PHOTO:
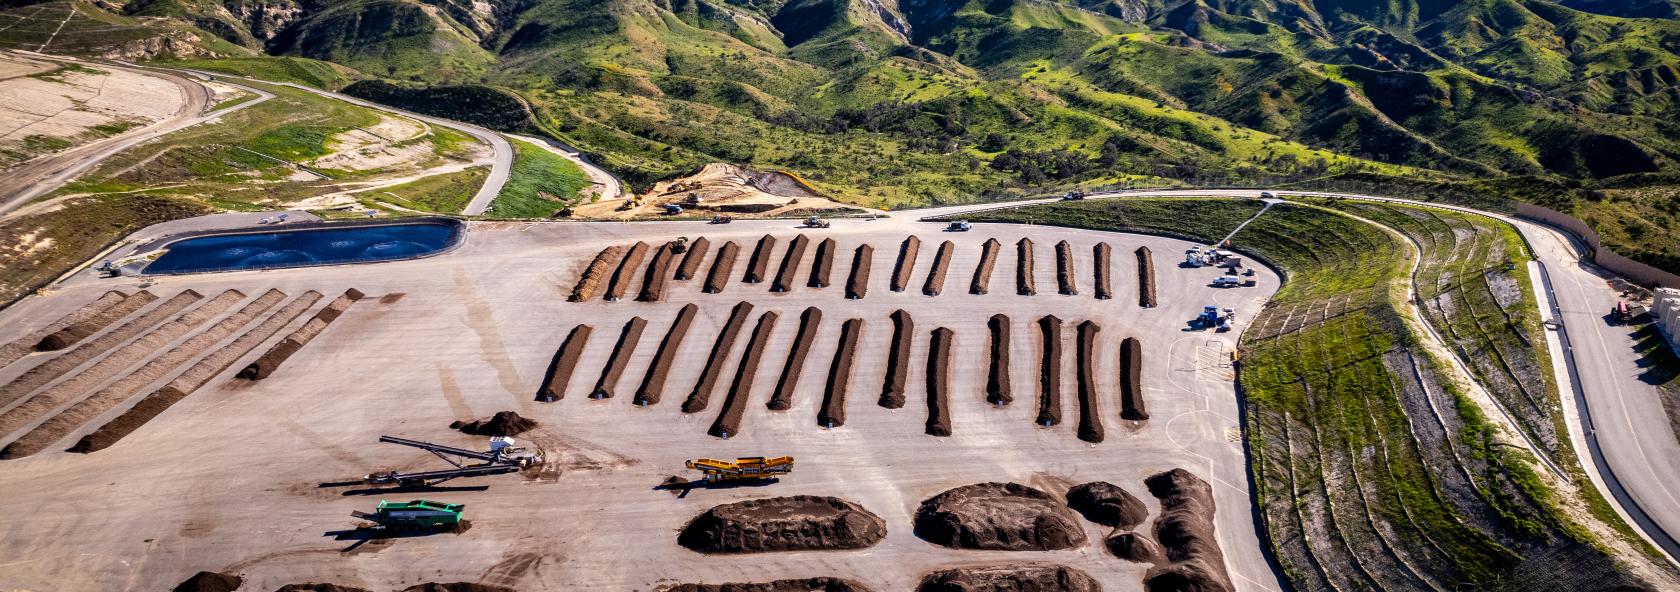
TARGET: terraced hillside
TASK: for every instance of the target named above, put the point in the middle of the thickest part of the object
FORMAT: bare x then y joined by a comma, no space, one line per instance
1375,469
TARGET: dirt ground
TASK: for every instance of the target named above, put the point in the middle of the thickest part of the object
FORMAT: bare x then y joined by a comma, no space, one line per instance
228,479
68,105
720,189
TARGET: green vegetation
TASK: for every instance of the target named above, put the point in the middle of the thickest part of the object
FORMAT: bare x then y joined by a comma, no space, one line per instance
448,193
37,248
540,184
304,71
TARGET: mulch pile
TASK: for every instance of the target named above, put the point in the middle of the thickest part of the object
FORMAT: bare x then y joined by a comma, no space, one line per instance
1066,283
1146,278
1013,577
998,389
653,383
1185,531
596,273
1100,256
833,412
998,517
728,422
620,358
503,423
691,260
759,263
1132,405
796,523
209,581
823,267
1090,407
857,284
790,264
455,587
983,272
805,585
653,282
939,383
313,587
1135,547
277,355
61,365
722,266
564,362
626,272
80,329
941,266
702,393
1024,283
906,261
809,322
21,346
1050,372
1107,504
898,361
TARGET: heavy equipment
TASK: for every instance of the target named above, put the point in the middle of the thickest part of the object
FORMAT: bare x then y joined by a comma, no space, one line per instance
417,514
721,219
958,226
673,209
503,457
1226,281
1073,196
1212,317
815,222
749,467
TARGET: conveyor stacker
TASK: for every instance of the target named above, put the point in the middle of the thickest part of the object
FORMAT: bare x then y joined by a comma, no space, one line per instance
502,458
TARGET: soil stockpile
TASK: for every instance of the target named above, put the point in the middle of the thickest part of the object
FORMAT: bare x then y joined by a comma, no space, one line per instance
809,322
796,523
898,360
596,273
20,347
503,423
939,383
790,264
823,267
857,284
1146,278
62,364
1013,577
658,271
455,587
1090,406
1185,531
998,389
701,395
564,362
75,332
653,383
1066,283
728,422
209,581
313,587
1135,548
983,272
998,517
626,272
1050,372
1107,504
194,378
1132,405
759,263
628,339
277,355
691,259
722,266
833,412
1024,283
941,266
805,585
1100,260
906,262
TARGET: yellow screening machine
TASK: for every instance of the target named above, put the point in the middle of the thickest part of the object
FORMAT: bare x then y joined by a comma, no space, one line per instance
751,467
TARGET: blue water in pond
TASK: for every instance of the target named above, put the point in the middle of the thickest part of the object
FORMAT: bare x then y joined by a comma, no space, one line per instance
299,248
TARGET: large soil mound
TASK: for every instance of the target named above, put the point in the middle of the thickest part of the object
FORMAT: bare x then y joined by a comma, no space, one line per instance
209,581
805,585
1185,531
319,588
1011,577
998,516
455,587
1107,504
797,523
503,423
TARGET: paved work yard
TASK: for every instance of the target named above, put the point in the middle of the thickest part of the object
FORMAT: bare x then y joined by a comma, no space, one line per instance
228,479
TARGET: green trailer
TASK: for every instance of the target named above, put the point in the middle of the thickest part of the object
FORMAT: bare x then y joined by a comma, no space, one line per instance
414,514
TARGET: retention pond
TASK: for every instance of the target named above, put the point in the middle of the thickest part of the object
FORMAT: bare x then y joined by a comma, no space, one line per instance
302,247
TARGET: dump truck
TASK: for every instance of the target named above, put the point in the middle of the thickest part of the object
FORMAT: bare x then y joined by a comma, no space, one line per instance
744,468
417,514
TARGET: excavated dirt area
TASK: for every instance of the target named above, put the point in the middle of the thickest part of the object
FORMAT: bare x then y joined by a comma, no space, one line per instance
802,585
1012,577
564,363
898,360
228,479
998,517
907,252
503,423
625,347
722,266
809,322
796,523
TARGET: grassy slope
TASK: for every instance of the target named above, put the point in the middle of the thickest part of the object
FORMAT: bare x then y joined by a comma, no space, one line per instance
540,184
40,247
